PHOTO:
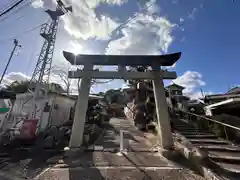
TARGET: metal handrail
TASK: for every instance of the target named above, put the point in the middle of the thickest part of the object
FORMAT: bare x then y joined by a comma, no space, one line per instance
212,120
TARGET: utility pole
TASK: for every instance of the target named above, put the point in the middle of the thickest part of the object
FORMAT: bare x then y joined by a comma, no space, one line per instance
10,58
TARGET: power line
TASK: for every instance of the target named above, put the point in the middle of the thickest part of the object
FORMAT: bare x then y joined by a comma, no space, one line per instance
22,34
132,18
12,7
6,6
24,5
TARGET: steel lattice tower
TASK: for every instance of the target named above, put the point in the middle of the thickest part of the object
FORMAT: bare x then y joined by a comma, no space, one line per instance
40,76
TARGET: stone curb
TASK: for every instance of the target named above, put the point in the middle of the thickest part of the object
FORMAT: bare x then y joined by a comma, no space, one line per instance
195,156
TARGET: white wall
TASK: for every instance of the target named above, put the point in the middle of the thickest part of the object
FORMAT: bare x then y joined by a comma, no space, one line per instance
62,113
23,106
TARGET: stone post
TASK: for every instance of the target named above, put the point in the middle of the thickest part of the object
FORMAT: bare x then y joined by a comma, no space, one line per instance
81,109
164,127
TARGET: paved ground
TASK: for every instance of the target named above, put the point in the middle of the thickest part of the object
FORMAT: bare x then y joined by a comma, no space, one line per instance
139,163
23,163
117,174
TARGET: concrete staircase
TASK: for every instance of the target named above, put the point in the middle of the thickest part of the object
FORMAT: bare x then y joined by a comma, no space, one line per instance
223,157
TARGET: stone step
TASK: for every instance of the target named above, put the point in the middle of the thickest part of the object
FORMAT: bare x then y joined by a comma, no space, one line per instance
151,159
216,147
233,168
4,155
185,133
182,125
194,133
201,136
189,130
207,141
225,156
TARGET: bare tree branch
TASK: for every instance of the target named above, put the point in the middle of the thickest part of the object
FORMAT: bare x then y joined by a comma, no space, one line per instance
63,75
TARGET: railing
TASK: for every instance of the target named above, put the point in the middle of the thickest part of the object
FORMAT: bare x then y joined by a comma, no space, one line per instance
204,123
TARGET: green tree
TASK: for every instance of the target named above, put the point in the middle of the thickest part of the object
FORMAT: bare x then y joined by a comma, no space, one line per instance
22,87
18,87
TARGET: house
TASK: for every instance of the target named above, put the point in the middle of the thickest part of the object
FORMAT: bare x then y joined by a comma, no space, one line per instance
175,89
175,93
235,90
228,103
196,106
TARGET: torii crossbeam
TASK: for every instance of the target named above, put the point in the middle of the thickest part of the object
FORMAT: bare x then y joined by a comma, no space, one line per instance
156,75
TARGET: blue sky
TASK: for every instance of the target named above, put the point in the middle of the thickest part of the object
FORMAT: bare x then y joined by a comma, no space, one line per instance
206,32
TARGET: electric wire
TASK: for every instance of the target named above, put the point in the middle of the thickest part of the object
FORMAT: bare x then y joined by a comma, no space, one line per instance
21,34
10,8
132,18
21,6
6,6
32,55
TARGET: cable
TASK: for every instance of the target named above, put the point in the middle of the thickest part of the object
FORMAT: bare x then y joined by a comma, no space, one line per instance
32,56
132,18
12,7
24,5
6,6
22,34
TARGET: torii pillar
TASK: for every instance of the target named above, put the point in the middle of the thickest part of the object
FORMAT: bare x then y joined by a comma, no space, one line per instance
164,126
81,109
157,76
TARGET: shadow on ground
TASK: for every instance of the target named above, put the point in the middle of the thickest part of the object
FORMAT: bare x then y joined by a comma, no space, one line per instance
91,163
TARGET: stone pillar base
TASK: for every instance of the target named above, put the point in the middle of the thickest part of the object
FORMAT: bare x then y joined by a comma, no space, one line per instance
169,154
74,152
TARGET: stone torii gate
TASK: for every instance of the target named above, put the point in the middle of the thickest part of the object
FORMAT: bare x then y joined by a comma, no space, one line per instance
156,75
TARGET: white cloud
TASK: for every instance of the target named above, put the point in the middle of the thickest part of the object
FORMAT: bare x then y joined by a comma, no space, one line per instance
199,94
192,81
95,3
83,22
192,14
14,76
38,3
172,67
146,34
181,20
78,48
175,1
183,39
115,84
86,25
152,7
